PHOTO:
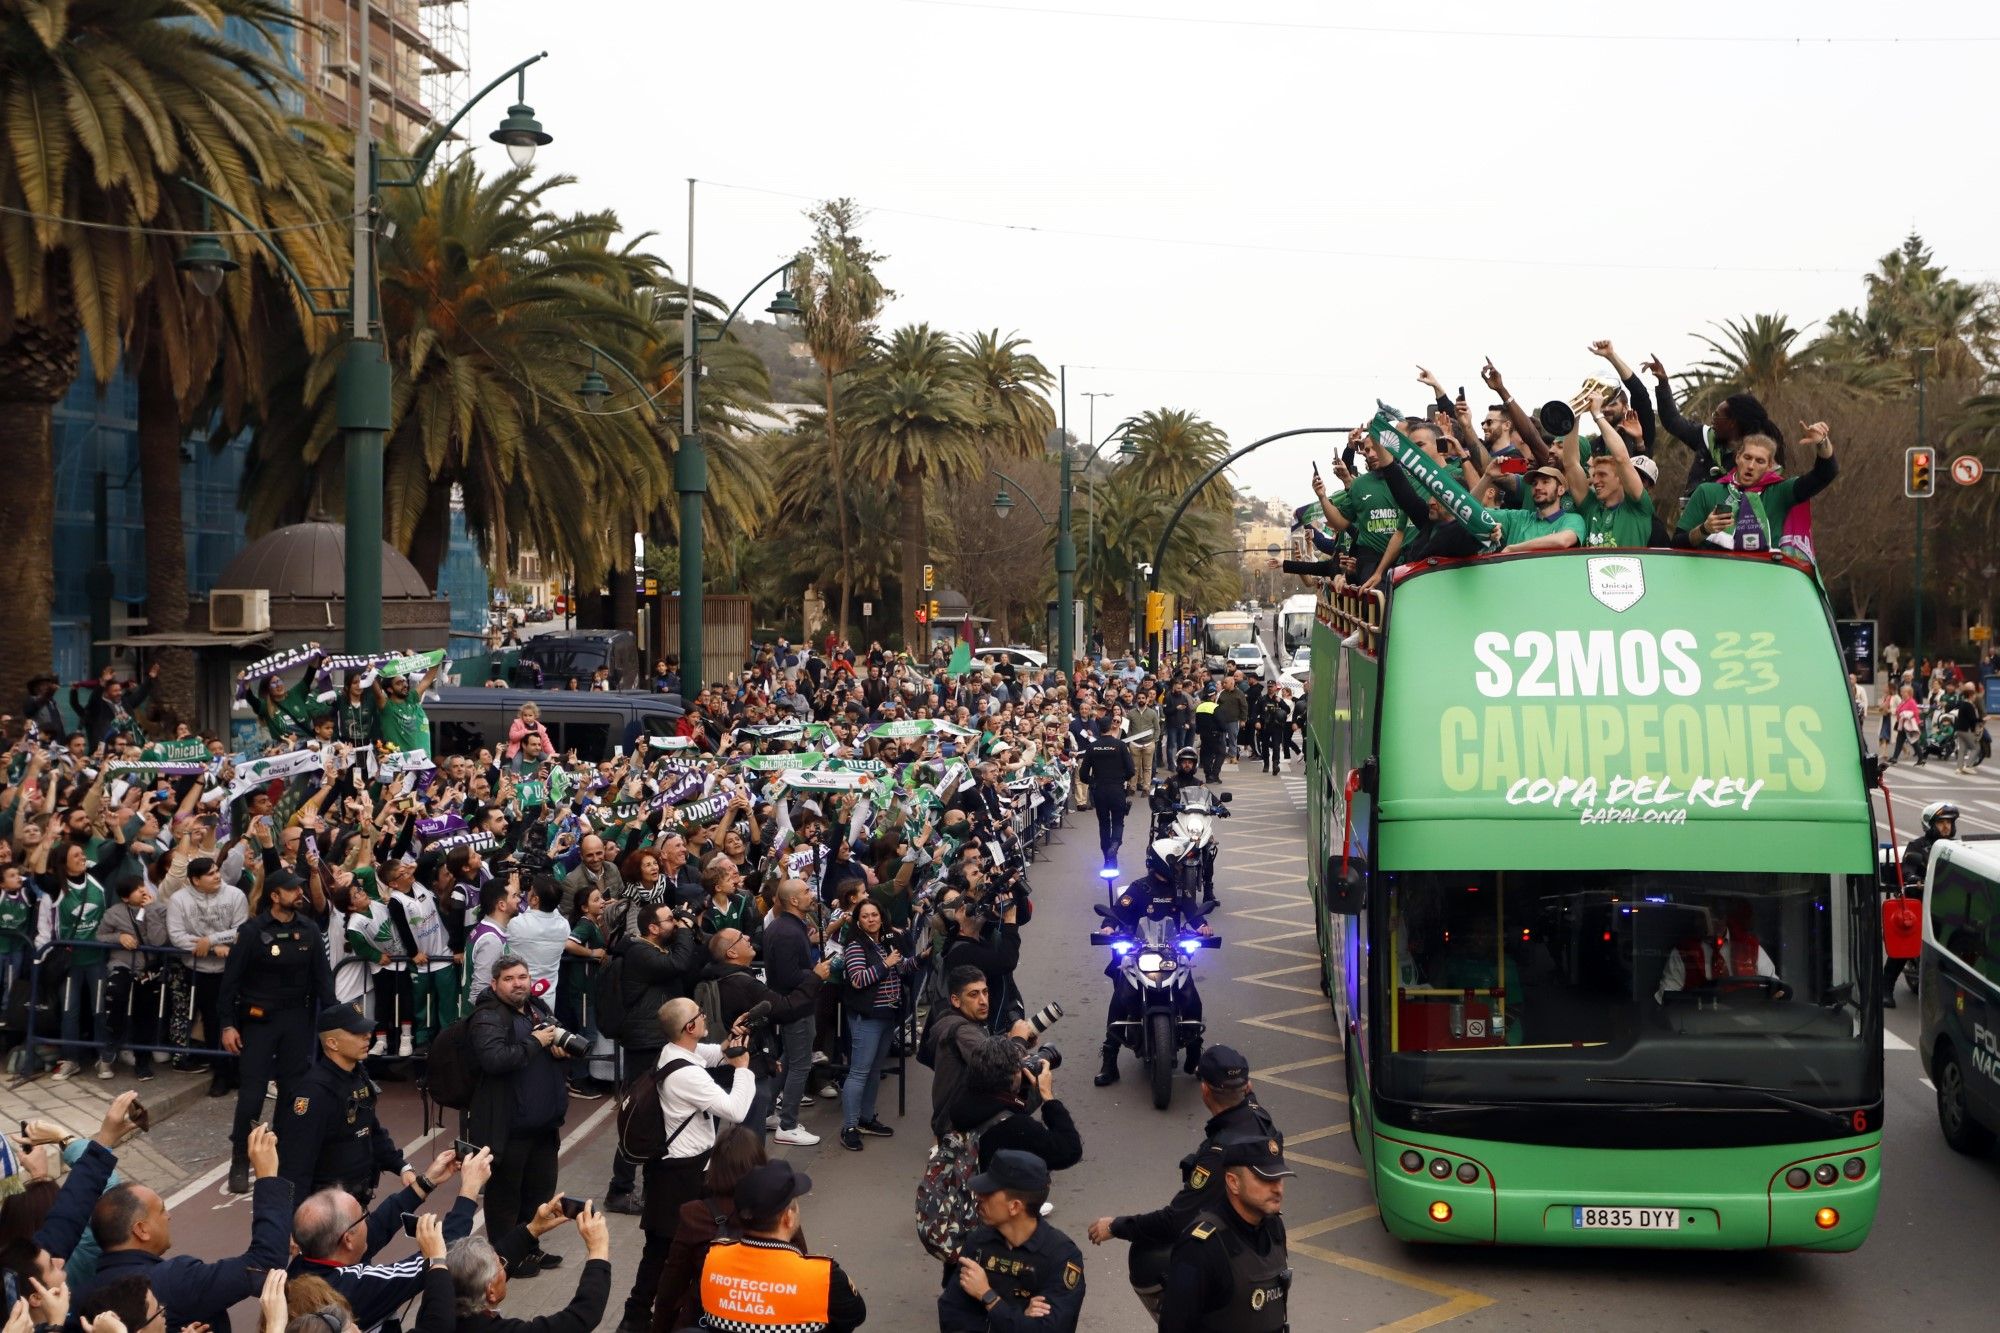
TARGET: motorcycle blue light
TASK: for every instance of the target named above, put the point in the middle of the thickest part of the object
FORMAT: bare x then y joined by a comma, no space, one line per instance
1109,872
1121,947
1190,946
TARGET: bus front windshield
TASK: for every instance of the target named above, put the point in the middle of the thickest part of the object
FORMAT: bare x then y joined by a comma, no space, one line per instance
1624,986
1298,628
1221,638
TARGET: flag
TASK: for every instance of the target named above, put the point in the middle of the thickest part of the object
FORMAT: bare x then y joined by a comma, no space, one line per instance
961,659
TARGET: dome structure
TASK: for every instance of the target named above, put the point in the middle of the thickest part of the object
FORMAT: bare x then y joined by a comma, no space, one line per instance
308,562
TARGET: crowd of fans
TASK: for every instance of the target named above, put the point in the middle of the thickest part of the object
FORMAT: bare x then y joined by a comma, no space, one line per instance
822,869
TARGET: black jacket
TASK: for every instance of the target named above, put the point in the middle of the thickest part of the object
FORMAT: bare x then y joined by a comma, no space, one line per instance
789,956
583,1313
655,974
520,1085
996,956
741,991
1107,767
1053,1138
199,1291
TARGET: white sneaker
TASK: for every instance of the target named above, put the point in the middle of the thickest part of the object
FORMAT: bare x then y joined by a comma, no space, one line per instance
798,1136
105,1069
819,1057
831,1092
64,1072
376,1047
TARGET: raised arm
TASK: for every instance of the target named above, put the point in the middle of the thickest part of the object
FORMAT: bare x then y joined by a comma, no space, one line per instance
1678,426
1614,446
1524,422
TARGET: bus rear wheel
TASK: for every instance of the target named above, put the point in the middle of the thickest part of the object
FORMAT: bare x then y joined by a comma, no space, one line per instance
1961,1131
1160,1037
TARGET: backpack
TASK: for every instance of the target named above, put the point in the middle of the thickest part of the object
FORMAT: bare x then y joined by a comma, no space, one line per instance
642,1121
946,1210
607,994
448,1075
708,994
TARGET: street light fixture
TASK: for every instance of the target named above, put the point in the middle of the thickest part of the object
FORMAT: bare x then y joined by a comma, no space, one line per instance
206,263
1003,503
594,390
520,132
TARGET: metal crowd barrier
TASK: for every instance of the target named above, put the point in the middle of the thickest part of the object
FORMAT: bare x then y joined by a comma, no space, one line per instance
164,992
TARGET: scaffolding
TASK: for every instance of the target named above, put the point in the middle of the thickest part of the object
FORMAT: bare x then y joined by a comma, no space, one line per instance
447,64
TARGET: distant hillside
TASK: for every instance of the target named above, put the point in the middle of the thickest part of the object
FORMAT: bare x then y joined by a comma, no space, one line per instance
794,376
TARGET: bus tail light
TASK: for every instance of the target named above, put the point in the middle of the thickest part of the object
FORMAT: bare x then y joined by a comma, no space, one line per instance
1827,1219
1797,1178
1441,1212
1440,1168
1856,1168
1412,1161
1467,1173
1826,1173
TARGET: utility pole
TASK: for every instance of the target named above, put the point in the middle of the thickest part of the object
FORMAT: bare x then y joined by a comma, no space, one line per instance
691,481
1917,588
1065,544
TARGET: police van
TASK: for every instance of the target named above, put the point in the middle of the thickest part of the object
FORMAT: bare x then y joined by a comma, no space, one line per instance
1959,987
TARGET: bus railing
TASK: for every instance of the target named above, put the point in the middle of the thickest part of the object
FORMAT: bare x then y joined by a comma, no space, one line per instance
1354,613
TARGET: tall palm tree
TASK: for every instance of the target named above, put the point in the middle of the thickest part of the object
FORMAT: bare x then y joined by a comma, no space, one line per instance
1171,448
1012,386
1760,355
483,295
836,287
1913,305
915,416
104,103
814,536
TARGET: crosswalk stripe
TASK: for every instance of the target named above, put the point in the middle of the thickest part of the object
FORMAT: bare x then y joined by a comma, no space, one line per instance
1892,1042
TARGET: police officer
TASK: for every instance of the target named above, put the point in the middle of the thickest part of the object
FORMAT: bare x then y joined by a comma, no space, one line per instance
328,1133
1013,1272
1167,795
1940,822
273,985
1107,770
1151,895
758,1278
1234,1117
1229,1272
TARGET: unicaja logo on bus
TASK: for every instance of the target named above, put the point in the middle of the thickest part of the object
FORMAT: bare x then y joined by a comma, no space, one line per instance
1617,581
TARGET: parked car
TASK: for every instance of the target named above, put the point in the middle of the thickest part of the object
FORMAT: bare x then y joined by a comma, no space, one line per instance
465,717
579,653
1014,655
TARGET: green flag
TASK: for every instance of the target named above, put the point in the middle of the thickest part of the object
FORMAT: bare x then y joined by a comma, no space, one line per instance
1457,501
961,660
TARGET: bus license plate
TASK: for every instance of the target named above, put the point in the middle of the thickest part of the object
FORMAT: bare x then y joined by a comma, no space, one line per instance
1625,1219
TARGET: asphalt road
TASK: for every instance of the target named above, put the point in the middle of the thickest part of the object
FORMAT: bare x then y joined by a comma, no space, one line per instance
1924,1267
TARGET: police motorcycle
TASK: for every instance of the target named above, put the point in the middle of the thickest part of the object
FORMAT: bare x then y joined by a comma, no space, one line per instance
1154,956
1184,839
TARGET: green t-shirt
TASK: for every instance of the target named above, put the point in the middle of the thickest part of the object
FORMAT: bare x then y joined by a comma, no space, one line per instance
1522,525
16,931
1769,505
1368,504
1627,523
79,911
403,724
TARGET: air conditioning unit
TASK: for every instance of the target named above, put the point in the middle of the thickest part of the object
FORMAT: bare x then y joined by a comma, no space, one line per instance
239,610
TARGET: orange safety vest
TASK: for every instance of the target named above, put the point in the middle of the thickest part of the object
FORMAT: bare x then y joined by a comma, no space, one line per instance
754,1286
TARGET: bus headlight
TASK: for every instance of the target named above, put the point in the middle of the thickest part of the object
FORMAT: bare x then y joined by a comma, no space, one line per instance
1827,1219
1826,1173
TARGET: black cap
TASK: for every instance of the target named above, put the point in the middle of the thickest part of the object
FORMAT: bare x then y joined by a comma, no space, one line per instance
1014,1171
1223,1067
1261,1155
282,879
345,1018
766,1191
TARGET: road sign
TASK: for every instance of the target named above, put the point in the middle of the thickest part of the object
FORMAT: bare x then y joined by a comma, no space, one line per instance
868,608
1981,633
1919,475
1967,470
930,578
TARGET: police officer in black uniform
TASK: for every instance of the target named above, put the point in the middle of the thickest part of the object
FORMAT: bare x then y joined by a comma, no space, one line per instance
273,987
1167,795
1234,1117
1015,1271
1107,770
1150,895
1230,1272
328,1133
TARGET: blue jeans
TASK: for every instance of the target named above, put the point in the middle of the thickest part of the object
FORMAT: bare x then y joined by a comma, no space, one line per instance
798,1037
868,1040
1231,734
80,1005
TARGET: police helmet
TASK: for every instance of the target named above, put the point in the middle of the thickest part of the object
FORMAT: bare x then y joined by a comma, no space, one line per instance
1186,755
1937,810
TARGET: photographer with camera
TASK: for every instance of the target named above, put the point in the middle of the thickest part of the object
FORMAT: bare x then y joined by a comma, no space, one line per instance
657,962
993,945
1004,1081
761,1009
521,1095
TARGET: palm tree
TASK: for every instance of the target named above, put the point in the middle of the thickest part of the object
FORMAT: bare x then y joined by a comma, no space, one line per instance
1911,305
836,287
812,534
1012,388
1171,449
484,294
1130,513
915,417
105,102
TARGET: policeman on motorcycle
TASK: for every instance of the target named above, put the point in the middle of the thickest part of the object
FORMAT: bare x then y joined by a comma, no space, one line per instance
1151,895
1234,1116
1166,798
1940,823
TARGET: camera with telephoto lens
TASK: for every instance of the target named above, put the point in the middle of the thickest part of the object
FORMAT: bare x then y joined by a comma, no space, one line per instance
1041,1021
574,1044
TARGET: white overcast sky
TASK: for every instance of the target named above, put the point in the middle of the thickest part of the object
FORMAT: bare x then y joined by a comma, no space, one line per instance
1268,211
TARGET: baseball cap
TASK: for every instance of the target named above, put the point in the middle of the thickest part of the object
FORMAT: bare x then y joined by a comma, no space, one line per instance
1223,1067
345,1018
1547,470
282,879
1014,1171
766,1191
1647,469
1261,1155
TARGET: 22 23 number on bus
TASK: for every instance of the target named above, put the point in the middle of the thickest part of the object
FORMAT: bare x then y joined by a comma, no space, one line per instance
1625,1219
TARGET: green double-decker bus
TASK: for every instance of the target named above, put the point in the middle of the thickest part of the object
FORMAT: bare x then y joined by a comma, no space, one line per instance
1594,881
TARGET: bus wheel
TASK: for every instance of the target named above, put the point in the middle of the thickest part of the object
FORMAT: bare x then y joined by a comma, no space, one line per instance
1961,1131
1161,1038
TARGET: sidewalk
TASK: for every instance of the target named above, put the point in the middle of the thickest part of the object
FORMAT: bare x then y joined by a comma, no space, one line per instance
79,1106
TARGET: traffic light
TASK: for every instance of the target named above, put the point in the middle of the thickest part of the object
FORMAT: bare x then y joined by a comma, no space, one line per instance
930,582
1156,612
1919,477
934,608
921,617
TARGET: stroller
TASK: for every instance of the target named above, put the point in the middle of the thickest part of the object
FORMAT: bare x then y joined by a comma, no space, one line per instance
1936,740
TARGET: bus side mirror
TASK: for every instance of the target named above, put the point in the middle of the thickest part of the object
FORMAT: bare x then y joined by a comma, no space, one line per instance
1347,890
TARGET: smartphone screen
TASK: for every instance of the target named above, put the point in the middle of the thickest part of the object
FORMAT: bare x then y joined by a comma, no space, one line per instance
571,1205
464,1149
410,1225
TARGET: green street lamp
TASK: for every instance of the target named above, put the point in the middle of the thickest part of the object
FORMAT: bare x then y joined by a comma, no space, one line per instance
1003,503
363,405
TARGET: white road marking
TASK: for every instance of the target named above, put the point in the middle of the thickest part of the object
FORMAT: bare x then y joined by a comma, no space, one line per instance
1892,1042
221,1169
1927,1083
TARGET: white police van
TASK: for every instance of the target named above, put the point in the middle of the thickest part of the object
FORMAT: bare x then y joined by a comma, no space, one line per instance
1959,986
